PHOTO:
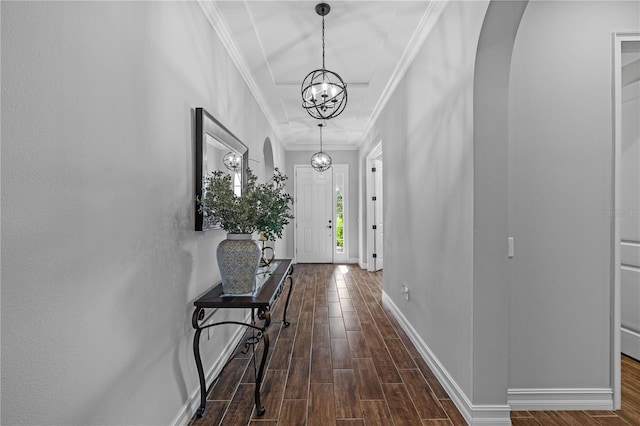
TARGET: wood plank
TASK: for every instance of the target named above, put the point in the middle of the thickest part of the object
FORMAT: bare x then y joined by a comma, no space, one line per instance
346,395
370,331
229,379
452,411
358,344
366,379
321,336
321,370
350,422
321,409
424,399
336,328
340,353
334,310
298,379
281,354
272,392
376,413
399,354
400,405
385,366
435,385
294,412
214,411
241,407
351,322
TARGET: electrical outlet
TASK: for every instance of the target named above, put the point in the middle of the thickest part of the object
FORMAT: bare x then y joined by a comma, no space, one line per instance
405,291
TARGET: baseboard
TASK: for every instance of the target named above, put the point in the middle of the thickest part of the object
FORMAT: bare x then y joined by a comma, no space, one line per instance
561,399
362,265
630,342
192,405
473,414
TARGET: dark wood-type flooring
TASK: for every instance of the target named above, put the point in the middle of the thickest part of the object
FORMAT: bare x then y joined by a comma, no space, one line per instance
346,361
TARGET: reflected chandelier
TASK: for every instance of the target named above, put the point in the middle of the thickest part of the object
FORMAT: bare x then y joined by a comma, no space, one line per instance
321,161
232,161
324,93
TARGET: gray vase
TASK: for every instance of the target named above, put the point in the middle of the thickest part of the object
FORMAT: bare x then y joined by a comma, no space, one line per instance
238,259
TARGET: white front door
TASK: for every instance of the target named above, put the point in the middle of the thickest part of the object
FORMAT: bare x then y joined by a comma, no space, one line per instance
313,215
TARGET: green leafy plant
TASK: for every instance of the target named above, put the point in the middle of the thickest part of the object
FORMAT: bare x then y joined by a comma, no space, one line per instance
263,207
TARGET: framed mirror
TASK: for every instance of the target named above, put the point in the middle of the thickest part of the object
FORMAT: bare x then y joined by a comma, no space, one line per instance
216,149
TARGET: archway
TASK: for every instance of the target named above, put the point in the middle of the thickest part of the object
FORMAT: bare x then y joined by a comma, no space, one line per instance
267,152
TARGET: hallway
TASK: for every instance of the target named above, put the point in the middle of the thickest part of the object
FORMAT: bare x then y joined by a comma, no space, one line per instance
345,361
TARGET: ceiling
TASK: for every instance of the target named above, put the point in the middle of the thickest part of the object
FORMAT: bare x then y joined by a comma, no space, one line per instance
275,44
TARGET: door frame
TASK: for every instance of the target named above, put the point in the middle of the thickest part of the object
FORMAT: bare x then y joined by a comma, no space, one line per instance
345,169
375,152
617,39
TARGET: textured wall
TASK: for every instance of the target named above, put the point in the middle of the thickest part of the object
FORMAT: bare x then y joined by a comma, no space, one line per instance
560,182
427,135
100,263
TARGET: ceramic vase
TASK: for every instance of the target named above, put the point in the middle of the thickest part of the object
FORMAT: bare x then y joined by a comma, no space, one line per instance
238,259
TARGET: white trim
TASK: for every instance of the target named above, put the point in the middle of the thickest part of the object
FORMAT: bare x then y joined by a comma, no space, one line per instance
561,399
616,306
473,414
192,405
217,21
630,342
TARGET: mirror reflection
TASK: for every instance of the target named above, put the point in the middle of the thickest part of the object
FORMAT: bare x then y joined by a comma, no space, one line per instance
216,149
218,156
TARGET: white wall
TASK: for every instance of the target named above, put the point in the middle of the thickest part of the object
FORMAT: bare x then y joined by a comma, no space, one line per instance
100,263
339,157
560,186
543,316
427,134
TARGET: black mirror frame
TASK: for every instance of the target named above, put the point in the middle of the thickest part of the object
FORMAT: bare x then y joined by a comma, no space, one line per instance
207,124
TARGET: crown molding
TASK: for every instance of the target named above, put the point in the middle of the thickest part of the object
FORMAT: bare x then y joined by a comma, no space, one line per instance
217,21
424,28
328,147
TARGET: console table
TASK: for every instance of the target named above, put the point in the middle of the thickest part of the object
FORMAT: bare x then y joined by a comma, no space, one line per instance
270,283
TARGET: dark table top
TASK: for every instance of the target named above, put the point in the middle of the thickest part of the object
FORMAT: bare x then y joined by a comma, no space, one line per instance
263,297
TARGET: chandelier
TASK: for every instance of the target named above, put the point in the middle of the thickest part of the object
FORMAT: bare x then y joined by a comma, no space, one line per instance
321,161
232,161
324,93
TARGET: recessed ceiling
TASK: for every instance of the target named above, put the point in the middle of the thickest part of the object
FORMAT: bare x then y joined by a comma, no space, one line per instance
275,44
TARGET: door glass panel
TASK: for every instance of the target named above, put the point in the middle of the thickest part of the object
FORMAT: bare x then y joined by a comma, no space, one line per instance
339,214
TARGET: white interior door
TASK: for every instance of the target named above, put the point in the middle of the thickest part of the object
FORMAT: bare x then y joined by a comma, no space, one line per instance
379,229
313,216
628,209
375,227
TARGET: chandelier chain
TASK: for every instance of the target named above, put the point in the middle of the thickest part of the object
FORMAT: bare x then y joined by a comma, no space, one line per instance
323,67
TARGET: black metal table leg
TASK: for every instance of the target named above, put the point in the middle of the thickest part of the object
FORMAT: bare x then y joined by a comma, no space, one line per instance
260,410
265,315
196,353
286,304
